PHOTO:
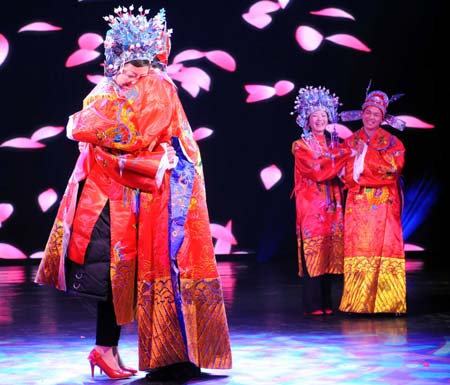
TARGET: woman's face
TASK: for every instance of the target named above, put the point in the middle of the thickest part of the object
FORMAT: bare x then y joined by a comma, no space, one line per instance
129,75
318,121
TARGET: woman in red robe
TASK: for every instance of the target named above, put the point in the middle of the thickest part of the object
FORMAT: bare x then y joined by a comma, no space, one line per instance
318,198
141,220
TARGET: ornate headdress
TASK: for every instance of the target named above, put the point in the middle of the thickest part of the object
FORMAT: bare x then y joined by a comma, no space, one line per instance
311,99
134,37
380,100
377,99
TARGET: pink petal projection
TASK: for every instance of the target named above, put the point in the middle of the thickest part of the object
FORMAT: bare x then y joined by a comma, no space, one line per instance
192,79
22,143
333,12
264,6
37,255
270,176
411,247
413,122
342,131
258,92
90,41
283,87
6,209
46,132
189,54
47,199
222,59
8,251
283,3
257,20
411,265
39,26
223,233
308,38
4,48
81,56
224,236
174,68
257,14
202,133
348,41
94,78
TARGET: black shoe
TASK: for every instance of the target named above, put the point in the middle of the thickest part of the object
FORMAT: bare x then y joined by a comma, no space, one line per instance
179,372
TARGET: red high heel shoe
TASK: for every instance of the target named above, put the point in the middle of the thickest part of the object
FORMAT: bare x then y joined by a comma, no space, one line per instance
96,359
126,368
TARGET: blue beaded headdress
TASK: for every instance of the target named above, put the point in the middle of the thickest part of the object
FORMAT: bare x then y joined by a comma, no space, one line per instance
134,37
311,99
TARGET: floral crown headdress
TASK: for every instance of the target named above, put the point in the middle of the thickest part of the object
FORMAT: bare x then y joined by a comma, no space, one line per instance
380,100
134,37
311,99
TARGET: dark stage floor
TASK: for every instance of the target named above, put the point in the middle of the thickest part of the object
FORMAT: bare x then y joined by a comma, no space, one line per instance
46,335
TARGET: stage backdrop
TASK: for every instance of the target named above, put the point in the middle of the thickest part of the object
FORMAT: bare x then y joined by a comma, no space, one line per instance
238,66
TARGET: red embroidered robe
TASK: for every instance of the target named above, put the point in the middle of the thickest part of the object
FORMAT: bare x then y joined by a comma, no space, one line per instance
181,314
374,262
318,200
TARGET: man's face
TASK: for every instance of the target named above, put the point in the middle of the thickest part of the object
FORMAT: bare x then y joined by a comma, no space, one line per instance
129,75
372,118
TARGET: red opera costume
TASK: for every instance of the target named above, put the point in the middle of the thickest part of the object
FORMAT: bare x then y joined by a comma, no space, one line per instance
374,263
319,205
160,234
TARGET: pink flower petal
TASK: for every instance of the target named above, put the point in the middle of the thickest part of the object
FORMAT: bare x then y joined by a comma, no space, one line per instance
264,7
283,3
6,209
47,199
223,245
94,78
283,87
174,68
8,251
342,131
413,122
202,133
37,255
411,247
46,132
258,92
270,176
192,88
4,48
90,41
39,26
257,20
308,38
223,233
193,75
348,41
81,56
222,59
411,265
333,12
22,143
189,54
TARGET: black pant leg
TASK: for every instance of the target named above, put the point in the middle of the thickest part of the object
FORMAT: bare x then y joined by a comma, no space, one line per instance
108,332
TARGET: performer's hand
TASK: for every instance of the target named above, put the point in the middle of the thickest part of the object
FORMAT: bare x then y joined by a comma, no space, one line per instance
171,154
82,146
